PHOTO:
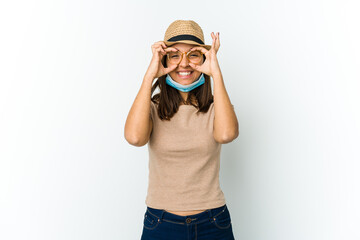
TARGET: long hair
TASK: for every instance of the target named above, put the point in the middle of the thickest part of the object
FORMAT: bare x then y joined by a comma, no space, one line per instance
168,99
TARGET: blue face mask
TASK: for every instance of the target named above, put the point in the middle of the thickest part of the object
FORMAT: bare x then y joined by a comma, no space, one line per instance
185,88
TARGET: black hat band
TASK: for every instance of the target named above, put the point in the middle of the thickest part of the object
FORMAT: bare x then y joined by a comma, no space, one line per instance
185,37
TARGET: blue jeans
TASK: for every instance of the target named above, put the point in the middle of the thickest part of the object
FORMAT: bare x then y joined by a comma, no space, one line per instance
212,224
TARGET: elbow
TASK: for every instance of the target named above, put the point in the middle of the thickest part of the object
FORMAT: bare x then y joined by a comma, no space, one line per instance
227,138
135,141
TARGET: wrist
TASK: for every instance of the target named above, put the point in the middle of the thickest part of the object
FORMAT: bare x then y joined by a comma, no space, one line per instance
148,78
216,74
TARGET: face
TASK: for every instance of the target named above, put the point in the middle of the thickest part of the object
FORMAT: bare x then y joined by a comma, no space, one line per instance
184,66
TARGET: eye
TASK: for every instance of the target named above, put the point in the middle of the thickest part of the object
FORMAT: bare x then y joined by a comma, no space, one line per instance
174,55
195,54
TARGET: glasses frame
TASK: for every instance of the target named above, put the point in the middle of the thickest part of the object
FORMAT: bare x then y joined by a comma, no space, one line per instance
186,54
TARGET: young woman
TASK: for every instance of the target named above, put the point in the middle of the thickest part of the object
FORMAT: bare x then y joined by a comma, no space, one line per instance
184,125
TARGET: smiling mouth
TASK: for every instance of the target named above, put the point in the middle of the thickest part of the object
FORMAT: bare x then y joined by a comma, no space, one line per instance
184,74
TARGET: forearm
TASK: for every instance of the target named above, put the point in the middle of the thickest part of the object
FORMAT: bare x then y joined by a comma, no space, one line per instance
226,127
137,124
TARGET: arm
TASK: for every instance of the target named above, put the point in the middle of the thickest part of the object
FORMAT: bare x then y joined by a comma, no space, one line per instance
226,127
138,124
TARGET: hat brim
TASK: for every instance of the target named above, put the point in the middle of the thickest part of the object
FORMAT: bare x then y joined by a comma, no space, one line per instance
167,43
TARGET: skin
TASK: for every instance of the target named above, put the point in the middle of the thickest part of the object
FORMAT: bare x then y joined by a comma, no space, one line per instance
183,66
138,125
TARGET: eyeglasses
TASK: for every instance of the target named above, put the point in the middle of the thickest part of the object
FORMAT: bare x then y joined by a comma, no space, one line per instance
193,56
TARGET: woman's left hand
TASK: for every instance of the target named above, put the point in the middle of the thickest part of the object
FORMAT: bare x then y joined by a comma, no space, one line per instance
211,65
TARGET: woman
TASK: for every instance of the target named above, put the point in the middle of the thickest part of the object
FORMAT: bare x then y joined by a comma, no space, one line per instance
184,126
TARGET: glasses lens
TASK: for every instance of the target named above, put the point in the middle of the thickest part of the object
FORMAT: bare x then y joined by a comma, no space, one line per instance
174,57
194,56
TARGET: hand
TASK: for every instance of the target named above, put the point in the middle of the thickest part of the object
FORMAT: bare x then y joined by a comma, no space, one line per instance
156,69
211,65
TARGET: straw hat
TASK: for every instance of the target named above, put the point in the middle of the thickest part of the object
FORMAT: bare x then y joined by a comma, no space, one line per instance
185,31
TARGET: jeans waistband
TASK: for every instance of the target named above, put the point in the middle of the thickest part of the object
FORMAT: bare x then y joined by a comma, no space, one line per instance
164,215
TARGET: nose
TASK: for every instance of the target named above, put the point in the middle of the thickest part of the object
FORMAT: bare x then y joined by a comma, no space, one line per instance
184,61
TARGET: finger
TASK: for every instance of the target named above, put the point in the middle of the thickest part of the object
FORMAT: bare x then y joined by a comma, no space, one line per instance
213,36
196,67
214,39
202,49
170,69
156,47
157,43
160,50
163,45
171,49
217,42
160,43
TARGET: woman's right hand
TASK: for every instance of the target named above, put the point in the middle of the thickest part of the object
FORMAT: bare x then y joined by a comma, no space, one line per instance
156,69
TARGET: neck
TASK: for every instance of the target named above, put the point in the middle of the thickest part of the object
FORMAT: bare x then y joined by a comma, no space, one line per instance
185,96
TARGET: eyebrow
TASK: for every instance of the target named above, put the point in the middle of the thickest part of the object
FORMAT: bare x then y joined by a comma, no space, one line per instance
180,50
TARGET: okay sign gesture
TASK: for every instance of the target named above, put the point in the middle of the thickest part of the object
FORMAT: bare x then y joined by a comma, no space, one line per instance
211,65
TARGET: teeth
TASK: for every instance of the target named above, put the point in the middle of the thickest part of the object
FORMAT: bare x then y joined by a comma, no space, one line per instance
184,73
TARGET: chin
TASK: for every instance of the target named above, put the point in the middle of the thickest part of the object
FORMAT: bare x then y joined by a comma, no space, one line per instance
185,82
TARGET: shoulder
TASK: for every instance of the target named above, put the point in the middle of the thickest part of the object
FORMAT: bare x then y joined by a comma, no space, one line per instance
153,109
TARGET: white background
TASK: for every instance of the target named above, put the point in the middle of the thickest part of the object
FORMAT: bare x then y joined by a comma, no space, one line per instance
70,71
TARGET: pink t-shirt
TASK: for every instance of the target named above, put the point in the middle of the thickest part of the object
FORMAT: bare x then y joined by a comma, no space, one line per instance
184,161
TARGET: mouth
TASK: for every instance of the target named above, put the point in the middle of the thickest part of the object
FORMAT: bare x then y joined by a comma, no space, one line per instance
184,74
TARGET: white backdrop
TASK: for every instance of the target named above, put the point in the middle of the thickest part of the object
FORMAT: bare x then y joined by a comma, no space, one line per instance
70,70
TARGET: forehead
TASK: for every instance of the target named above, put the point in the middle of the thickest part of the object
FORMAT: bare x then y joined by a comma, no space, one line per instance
183,46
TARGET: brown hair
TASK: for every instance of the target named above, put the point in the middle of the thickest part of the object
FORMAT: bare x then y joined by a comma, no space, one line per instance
169,99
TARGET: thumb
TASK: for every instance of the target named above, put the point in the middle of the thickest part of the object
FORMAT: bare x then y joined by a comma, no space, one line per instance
170,69
196,67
